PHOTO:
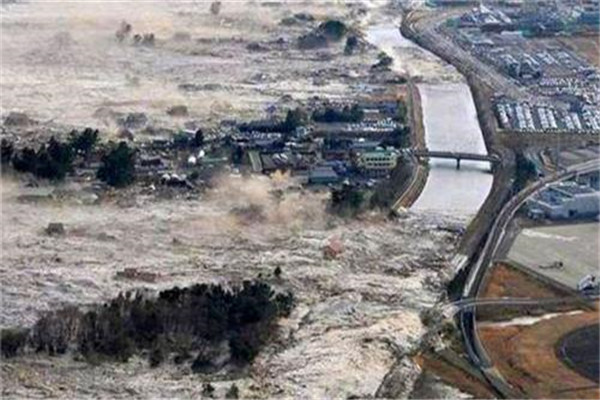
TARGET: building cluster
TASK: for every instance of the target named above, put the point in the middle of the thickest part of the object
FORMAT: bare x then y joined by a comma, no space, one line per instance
568,200
359,151
564,89
328,153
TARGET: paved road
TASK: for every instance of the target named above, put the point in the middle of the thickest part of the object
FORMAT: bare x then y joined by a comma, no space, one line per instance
496,234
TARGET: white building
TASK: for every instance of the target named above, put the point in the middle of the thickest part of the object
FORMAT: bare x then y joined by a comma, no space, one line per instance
566,200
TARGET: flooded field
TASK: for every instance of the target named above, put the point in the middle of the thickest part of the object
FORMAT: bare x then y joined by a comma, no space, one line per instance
353,314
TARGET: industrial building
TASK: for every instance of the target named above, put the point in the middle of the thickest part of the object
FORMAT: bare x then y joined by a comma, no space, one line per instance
565,200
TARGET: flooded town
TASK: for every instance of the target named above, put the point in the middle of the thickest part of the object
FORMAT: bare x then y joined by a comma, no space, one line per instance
320,199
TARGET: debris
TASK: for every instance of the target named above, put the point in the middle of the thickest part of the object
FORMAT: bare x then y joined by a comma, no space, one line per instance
178,111
17,119
134,120
126,134
123,31
333,249
215,7
135,274
55,228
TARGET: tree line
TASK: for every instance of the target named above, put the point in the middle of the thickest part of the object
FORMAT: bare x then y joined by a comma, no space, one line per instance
183,324
55,159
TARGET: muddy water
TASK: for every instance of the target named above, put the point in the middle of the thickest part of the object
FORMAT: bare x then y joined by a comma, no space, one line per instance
450,125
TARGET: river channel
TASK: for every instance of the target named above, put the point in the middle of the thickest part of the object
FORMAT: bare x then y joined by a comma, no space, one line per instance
450,121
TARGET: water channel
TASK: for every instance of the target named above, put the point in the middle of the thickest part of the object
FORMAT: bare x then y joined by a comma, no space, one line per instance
450,122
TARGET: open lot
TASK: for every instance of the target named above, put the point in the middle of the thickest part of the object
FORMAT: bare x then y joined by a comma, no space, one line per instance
587,47
505,280
574,245
525,355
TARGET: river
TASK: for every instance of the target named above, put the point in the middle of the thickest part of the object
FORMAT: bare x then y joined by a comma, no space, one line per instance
450,121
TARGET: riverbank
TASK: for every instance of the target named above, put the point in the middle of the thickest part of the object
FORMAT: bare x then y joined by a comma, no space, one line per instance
420,172
481,94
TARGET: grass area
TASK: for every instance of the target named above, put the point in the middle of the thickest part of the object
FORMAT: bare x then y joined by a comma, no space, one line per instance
525,356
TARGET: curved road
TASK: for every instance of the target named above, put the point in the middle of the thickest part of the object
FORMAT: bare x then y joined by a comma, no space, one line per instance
496,234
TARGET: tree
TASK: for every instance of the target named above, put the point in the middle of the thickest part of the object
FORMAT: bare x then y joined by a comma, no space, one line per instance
25,160
293,119
333,29
118,166
181,140
383,61
208,390
348,200
198,138
348,114
233,392
6,151
401,112
12,341
83,143
351,45
54,160
525,171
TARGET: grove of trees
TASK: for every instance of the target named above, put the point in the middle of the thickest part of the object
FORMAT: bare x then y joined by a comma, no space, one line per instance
346,114
118,165
189,323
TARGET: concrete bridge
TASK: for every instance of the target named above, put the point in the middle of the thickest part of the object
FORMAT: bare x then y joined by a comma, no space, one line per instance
458,156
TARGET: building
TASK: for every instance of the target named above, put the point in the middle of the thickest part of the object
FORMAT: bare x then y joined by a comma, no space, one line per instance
379,162
323,175
567,200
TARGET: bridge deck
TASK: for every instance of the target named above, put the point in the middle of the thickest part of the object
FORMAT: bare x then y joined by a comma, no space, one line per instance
455,155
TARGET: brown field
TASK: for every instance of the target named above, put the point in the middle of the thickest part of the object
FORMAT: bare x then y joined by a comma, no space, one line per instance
525,356
586,46
454,376
507,281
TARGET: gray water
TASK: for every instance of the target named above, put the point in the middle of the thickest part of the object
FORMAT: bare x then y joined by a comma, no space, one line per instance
451,124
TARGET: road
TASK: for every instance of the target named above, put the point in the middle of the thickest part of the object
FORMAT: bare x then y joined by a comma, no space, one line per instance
425,30
498,230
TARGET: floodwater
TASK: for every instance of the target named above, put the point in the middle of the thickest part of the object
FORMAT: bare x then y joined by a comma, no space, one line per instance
450,122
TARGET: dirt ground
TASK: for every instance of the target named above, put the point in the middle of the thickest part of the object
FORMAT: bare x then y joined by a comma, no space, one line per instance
505,280
586,46
525,356
454,376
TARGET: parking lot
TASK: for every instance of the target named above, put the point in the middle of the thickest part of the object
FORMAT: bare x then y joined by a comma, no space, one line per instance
576,246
